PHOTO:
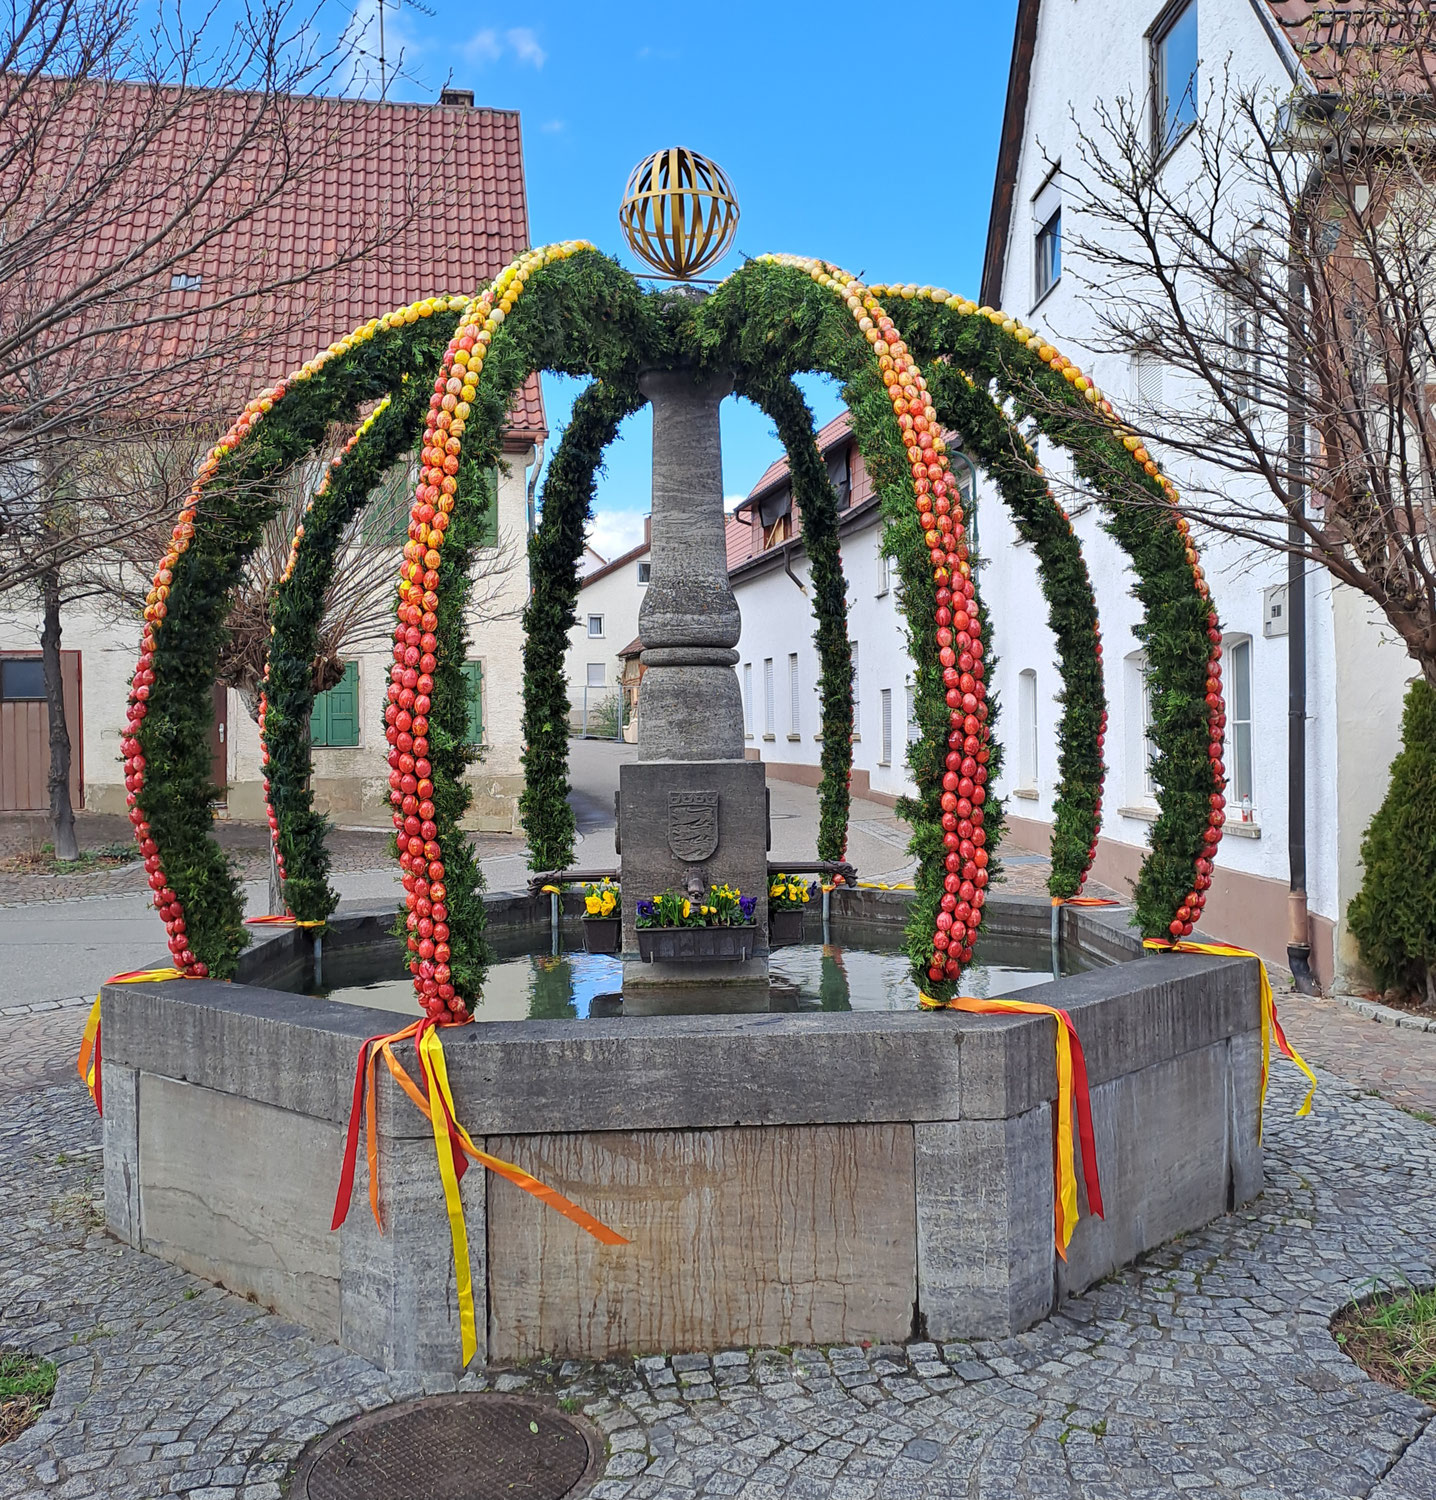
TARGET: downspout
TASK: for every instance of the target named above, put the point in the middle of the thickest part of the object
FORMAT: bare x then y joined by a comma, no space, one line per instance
1298,947
533,485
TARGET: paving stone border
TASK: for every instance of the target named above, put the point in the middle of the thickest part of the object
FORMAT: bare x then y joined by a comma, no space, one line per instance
1208,1366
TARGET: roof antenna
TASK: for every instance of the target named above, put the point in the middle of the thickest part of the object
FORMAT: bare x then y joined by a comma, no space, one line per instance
418,5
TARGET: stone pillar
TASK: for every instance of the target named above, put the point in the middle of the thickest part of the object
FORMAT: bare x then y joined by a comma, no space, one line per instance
690,707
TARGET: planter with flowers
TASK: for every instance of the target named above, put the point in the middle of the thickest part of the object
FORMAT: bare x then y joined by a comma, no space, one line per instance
721,927
602,923
787,897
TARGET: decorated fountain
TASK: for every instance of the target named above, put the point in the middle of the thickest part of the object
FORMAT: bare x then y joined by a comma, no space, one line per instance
958,1172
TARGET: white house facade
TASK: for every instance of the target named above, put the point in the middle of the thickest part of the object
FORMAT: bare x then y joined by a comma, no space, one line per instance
1068,60
609,596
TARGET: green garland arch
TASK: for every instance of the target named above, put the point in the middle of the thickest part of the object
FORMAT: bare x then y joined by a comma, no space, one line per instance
1180,630
295,613
992,442
782,403
554,553
571,310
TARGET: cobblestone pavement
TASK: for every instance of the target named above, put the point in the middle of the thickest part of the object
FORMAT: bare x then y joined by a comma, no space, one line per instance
1396,1062
1207,1367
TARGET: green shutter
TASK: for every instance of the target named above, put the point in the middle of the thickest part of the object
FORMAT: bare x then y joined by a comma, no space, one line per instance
489,535
474,690
335,719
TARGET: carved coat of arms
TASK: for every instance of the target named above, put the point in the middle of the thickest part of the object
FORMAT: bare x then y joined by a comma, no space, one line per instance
693,825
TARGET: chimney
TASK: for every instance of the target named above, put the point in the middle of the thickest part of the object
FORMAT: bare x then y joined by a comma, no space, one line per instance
648,530
460,98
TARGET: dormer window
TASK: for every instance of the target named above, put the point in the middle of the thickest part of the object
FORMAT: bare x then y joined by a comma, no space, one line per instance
182,281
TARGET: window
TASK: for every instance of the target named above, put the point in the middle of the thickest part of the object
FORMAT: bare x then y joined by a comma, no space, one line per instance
885,564
857,725
1139,748
182,281
1239,725
775,515
840,474
489,536
793,706
385,519
474,696
645,571
748,698
1027,729
22,680
914,729
1149,741
1049,256
1174,75
597,674
885,758
1243,339
334,720
1147,377
595,627
768,709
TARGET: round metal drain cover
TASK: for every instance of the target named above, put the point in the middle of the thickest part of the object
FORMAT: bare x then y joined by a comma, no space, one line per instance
479,1447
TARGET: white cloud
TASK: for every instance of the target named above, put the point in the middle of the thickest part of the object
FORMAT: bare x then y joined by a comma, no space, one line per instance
526,47
732,502
484,46
614,532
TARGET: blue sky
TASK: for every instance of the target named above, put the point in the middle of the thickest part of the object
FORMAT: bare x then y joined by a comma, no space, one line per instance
862,133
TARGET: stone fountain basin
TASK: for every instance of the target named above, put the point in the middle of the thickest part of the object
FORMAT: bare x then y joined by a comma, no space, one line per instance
784,1178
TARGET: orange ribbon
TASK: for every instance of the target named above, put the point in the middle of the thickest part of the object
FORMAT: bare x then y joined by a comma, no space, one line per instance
1072,1091
87,1064
1084,901
452,1144
277,921
1270,1026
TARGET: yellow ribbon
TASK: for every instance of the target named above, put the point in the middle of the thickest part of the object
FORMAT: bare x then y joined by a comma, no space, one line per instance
441,1112
285,921
87,1064
1065,1204
877,885
1270,1025
552,890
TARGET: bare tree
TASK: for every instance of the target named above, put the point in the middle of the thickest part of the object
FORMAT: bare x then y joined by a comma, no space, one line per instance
140,152
1285,286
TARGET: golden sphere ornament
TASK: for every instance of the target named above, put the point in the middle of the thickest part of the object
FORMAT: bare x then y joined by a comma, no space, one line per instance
678,213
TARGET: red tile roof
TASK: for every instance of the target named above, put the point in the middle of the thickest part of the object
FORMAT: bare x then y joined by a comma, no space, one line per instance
828,437
612,567
742,540
440,187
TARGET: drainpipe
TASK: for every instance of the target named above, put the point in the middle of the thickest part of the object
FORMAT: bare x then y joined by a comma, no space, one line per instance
533,485
1298,947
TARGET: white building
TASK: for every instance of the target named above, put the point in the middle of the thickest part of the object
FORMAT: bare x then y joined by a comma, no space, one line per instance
1068,58
609,596
777,659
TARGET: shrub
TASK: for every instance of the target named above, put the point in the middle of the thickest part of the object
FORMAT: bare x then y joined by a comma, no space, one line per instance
1393,916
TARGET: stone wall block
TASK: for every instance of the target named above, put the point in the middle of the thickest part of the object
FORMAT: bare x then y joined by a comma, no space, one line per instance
984,1225
121,1127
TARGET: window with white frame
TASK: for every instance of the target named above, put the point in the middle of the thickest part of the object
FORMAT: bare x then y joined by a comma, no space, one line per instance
768,704
1174,74
748,698
597,674
794,707
885,564
1147,377
595,627
1239,743
1047,255
857,723
1139,747
1027,729
1244,337
645,571
914,729
885,758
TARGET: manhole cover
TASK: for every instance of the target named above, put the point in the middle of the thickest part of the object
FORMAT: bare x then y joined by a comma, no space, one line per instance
480,1447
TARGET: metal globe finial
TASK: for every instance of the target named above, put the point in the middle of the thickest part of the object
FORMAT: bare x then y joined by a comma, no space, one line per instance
678,213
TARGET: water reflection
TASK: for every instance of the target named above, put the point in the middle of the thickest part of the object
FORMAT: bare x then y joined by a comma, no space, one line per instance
864,976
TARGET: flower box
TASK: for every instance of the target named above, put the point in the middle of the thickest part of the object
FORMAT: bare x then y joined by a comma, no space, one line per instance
785,928
682,945
601,934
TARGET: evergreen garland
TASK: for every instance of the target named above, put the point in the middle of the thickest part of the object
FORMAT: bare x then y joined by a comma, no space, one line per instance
555,550
767,322
296,613
990,440
1179,629
817,501
236,496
